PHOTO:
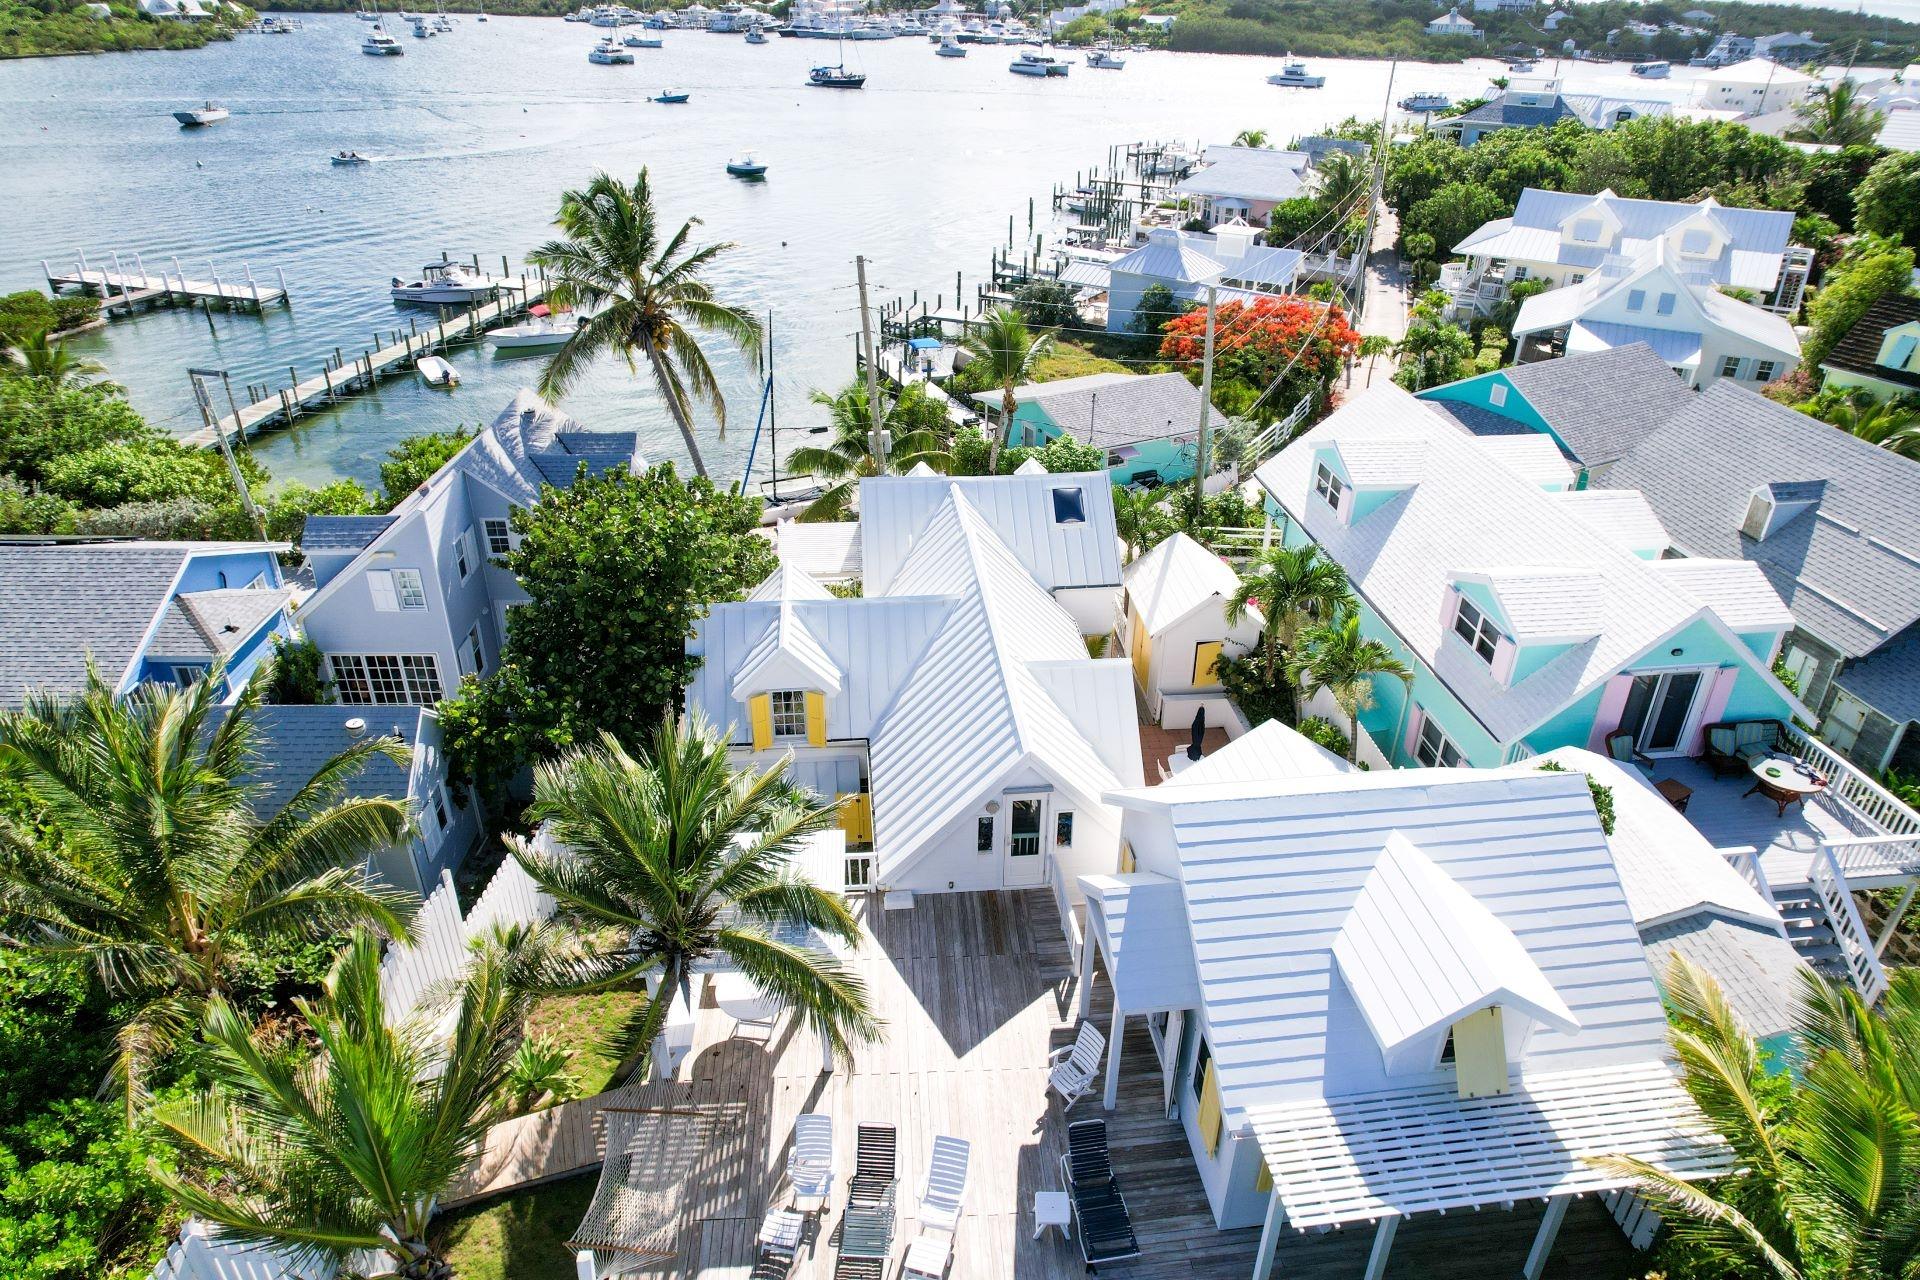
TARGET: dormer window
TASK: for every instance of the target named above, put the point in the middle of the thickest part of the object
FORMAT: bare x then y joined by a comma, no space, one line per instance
787,709
1636,299
1902,352
1587,230
1665,305
1069,505
1696,243
1478,630
1327,485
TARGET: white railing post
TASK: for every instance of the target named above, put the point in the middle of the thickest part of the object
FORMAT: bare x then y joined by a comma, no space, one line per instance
1850,932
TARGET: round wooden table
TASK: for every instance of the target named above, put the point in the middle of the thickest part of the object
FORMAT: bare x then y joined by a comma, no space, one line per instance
1780,780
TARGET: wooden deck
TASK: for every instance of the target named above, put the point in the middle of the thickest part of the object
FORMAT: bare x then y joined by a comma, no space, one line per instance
975,989
1720,810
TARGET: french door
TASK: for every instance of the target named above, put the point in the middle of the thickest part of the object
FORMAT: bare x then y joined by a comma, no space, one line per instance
1026,859
1659,710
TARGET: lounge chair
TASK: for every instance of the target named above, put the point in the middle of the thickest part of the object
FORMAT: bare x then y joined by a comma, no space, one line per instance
1733,745
946,1185
1621,748
866,1238
810,1164
1103,1227
1077,1066
873,1165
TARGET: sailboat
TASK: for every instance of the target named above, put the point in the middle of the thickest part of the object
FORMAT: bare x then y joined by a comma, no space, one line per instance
837,76
378,43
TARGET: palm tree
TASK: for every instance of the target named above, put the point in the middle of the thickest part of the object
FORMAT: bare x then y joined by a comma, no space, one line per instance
350,1150
1836,115
1256,138
1374,345
1140,518
1829,1160
1334,656
1293,588
145,856
1879,423
1343,181
1009,351
850,455
686,858
642,298
53,363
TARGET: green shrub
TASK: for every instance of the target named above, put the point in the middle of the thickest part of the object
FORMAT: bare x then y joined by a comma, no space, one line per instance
1325,733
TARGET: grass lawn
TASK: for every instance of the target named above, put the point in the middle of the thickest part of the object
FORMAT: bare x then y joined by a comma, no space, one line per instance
1069,360
582,1023
519,1237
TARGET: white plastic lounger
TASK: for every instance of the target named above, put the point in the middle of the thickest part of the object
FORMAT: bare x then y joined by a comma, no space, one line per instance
810,1165
1077,1066
946,1185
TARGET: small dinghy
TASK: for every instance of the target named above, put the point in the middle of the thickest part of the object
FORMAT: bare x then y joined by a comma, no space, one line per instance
746,167
436,372
350,157
673,95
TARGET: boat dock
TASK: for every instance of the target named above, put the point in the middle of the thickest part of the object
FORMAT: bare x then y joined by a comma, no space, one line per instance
392,354
124,287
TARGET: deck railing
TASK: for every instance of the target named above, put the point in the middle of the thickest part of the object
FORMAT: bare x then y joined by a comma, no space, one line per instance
1849,930
1746,860
1887,831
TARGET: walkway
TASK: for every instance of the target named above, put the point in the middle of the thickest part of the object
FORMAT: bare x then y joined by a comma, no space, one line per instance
1387,301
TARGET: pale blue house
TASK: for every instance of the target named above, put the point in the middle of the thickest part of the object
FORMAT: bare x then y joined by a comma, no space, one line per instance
1148,424
1533,615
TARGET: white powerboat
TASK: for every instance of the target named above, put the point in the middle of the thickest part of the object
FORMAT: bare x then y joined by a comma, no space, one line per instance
1425,100
756,36
436,372
641,40
951,48
1656,70
609,54
1294,75
1106,60
379,44
421,31
444,283
211,113
1037,64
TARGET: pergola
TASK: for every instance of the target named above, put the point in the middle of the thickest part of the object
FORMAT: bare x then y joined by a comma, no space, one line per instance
1380,1157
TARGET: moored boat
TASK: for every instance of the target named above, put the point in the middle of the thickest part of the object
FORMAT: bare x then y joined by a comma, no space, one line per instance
538,333
1426,100
951,48
444,283
836,77
1655,70
1295,75
1106,60
756,36
1037,64
747,167
609,54
211,113
641,40
436,372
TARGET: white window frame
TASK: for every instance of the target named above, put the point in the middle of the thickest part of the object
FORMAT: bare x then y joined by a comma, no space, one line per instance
188,673
477,649
409,589
1473,627
1433,747
1730,366
1328,485
466,555
386,679
1765,370
787,713
1497,395
499,535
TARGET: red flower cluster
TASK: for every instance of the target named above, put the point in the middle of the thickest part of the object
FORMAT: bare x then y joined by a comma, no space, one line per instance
1254,341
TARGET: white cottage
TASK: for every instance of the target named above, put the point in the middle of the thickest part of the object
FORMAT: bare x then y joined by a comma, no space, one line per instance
1175,630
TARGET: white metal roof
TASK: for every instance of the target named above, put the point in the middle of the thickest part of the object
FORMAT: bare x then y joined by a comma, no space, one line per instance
1142,922
1467,512
1757,71
1175,578
789,581
1272,869
1362,1157
1167,255
827,550
1249,173
1418,953
787,656
1268,751
896,510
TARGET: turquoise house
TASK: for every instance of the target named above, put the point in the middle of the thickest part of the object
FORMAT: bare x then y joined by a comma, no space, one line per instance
1533,615
1148,424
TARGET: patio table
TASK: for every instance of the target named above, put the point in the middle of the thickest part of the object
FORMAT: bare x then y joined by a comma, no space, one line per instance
1783,780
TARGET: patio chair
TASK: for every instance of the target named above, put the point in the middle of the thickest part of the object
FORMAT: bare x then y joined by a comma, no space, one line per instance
946,1185
810,1164
866,1238
873,1166
1733,745
1077,1066
1620,747
1104,1228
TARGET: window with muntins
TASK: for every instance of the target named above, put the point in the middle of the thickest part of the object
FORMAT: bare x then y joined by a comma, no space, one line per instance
409,589
1477,629
499,536
789,711
1435,749
386,679
1730,367
1327,485
1763,371
983,835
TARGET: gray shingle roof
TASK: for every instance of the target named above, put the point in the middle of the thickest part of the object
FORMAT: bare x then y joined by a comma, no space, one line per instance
1601,405
1501,114
293,742
341,533
1858,351
1110,409
1757,968
1849,569
58,604
1888,680
213,624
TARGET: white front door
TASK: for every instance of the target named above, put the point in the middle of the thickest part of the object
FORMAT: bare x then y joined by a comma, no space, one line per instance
1026,851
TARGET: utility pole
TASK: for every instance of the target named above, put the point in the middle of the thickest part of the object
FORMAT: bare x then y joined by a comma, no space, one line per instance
1206,409
212,419
877,438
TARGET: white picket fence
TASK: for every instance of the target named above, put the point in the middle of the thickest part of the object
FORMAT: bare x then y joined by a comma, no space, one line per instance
408,975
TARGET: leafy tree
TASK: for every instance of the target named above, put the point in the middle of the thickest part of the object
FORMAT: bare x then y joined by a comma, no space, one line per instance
1432,352
1060,455
1291,219
288,510
1292,588
683,858
1887,202
1341,183
349,1150
643,298
53,364
972,453
1299,343
915,423
145,856
1256,138
24,512
1006,351
1141,518
1155,309
153,470
1335,656
297,676
1873,268
41,424
1828,1161
1047,304
617,569
30,311
413,462
1453,212
1837,115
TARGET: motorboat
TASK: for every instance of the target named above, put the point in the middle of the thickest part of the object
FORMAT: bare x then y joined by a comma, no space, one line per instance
1037,64
756,36
421,31
1425,100
747,167
444,283
641,40
1106,60
1655,70
609,54
436,372
211,113
350,157
1295,75
950,48
1520,66
672,97
539,333
379,44
836,77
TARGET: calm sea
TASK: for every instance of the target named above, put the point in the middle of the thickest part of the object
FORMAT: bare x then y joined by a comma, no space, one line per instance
478,132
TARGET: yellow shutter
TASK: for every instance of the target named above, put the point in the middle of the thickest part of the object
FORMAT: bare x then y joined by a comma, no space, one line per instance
1142,648
1206,656
817,719
1480,1054
1263,1181
760,714
1127,860
1209,1117
856,817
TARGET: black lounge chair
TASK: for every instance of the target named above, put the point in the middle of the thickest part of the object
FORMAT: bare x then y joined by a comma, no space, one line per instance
873,1166
866,1232
1101,1222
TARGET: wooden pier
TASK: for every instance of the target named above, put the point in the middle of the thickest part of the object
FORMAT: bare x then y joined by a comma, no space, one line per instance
393,355
124,287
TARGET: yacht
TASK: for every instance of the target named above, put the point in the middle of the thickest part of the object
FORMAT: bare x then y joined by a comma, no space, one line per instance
379,44
1520,66
1294,75
836,77
609,54
421,31
211,113
444,283
1652,70
1106,60
1037,64
367,15
951,48
536,334
1425,100
640,40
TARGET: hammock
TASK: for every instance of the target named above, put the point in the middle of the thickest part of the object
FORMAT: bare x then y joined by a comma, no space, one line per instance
639,1206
